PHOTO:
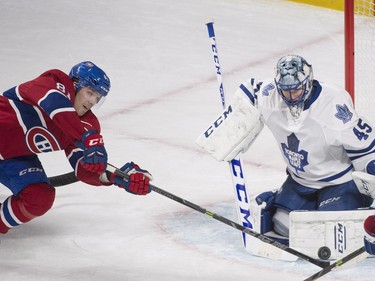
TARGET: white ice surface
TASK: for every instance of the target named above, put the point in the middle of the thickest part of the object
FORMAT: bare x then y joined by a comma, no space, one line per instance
164,94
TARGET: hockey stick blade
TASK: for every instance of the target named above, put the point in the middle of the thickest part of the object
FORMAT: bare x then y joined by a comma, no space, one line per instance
336,264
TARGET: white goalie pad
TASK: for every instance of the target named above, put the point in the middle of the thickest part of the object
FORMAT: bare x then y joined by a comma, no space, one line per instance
233,131
327,234
365,183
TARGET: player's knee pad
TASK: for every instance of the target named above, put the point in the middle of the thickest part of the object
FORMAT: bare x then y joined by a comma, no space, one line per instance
37,199
281,222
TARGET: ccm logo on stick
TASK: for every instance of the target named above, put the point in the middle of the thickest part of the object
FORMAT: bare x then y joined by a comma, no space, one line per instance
242,200
218,122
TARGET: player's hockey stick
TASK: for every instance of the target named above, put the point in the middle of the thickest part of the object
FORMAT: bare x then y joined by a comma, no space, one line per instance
70,178
233,224
238,178
336,264
63,179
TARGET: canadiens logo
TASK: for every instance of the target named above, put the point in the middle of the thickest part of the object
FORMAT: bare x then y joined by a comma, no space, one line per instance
39,140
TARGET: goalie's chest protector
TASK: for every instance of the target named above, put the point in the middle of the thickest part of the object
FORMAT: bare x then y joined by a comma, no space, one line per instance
313,152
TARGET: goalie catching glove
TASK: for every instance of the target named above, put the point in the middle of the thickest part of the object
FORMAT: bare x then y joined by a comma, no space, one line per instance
233,131
138,182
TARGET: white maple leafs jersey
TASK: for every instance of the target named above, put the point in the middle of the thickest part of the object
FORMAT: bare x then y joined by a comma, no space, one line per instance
325,143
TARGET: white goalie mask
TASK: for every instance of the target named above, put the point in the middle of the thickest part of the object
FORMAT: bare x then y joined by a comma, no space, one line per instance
294,79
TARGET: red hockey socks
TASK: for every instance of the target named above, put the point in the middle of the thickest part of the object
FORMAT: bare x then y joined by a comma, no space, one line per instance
33,201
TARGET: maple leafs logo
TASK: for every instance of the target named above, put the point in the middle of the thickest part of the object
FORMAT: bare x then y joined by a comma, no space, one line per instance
343,113
297,158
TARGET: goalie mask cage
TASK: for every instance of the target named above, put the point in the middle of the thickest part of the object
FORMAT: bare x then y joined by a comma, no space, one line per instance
360,55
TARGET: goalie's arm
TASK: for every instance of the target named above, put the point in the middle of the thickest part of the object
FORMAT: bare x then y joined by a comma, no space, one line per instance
233,131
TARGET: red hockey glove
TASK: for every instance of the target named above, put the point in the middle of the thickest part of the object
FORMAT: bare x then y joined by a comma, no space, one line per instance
94,154
139,180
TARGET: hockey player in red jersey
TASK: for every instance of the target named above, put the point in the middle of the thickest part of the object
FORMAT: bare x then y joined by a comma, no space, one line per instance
49,113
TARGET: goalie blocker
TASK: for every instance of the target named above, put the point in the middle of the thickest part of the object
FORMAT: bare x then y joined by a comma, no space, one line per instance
233,131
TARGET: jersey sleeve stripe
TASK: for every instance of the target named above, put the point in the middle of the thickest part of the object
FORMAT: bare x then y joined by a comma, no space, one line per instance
55,100
23,113
339,175
248,93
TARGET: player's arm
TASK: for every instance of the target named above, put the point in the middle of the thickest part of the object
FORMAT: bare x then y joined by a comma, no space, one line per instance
237,126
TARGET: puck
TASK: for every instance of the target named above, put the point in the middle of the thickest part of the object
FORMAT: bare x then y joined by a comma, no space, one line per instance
324,253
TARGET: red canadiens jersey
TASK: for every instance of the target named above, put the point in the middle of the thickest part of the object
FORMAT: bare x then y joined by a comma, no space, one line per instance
38,117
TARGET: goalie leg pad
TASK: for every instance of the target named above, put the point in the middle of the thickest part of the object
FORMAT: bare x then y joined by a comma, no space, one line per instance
340,231
233,131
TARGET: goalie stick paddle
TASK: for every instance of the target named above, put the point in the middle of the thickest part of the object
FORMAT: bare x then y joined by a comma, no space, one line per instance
235,166
71,178
336,264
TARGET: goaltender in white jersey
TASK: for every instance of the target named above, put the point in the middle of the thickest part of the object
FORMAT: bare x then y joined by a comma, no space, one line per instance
320,135
322,140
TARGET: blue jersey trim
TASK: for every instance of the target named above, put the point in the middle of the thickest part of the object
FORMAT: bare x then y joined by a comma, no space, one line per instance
371,146
339,175
55,100
315,93
331,178
248,93
29,116
11,94
360,156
